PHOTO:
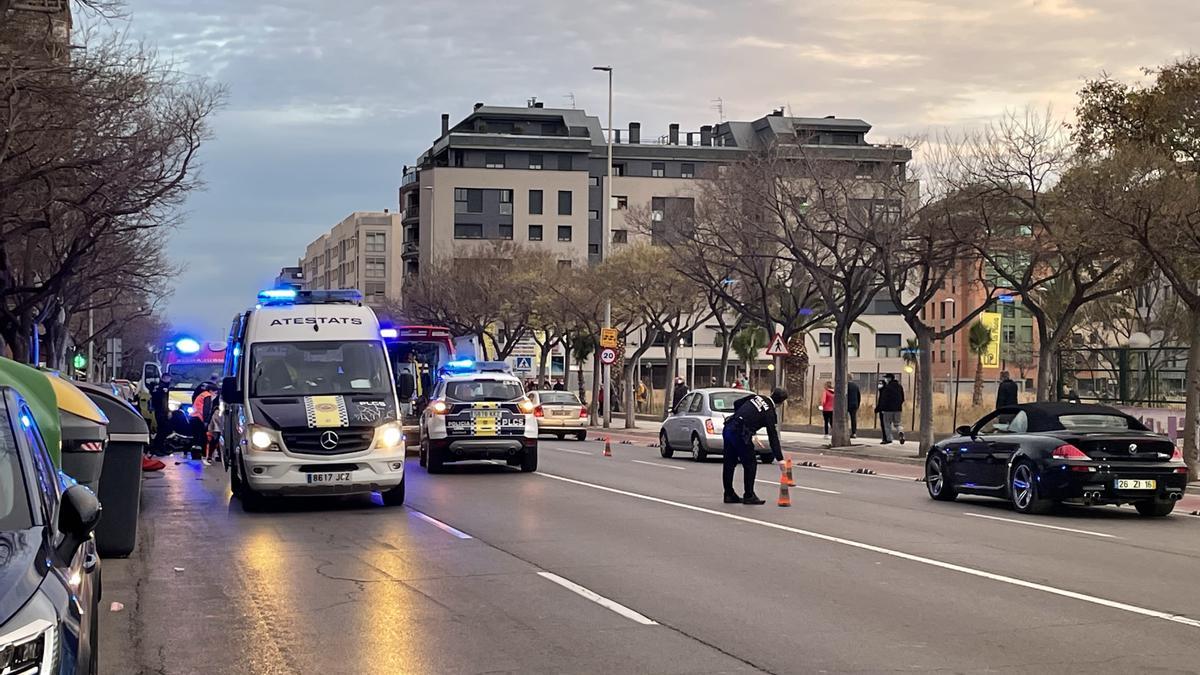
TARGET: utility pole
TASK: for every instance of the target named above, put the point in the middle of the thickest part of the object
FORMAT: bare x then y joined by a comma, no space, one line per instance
605,237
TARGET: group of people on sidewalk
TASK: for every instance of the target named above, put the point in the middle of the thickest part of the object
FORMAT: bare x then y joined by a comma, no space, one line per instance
889,402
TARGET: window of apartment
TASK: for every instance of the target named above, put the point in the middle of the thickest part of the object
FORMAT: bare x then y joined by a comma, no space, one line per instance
506,202
620,236
376,290
565,162
593,249
535,161
468,200
687,170
622,202
825,344
942,305
376,268
1027,334
468,231
658,208
564,202
618,169
564,264
593,181
493,160
506,231
884,306
535,233
658,169
852,347
535,201
564,233
942,355
887,345
458,158
593,215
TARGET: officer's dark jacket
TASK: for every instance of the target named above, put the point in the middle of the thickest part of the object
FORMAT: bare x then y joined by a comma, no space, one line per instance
752,413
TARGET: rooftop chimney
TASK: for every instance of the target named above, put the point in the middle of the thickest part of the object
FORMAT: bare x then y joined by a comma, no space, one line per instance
635,132
673,134
385,211
478,106
778,112
445,123
706,134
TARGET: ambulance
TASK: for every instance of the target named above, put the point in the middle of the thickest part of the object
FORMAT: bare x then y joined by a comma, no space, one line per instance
309,400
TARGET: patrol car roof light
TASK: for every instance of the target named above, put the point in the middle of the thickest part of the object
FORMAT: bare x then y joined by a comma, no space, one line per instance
460,366
277,295
187,345
389,333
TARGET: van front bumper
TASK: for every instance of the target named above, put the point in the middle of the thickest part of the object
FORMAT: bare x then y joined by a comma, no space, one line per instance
283,474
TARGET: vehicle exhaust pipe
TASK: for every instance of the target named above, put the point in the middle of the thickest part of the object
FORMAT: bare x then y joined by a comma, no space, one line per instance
1176,496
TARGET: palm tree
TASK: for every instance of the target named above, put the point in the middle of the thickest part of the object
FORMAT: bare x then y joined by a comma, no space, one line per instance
747,344
582,347
979,338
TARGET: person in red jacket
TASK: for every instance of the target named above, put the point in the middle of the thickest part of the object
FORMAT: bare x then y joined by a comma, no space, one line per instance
827,406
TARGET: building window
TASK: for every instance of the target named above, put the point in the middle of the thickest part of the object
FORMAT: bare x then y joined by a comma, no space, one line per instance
658,169
687,170
942,353
458,158
535,161
564,264
468,231
468,200
825,344
593,249
535,233
535,202
564,202
564,233
887,345
620,236
506,231
376,290
493,160
593,215
618,169
658,208
593,181
565,163
622,202
376,268
506,203
377,242
852,347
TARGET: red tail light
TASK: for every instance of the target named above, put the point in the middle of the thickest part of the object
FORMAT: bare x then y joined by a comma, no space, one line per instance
583,412
708,426
538,412
1177,455
1068,451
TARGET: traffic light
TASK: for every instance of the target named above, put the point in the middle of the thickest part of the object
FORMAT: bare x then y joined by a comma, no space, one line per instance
80,361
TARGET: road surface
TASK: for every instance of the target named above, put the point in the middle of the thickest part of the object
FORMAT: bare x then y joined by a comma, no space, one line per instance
633,564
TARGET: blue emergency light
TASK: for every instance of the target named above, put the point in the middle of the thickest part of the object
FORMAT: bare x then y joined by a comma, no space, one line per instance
277,295
187,346
389,333
289,296
460,366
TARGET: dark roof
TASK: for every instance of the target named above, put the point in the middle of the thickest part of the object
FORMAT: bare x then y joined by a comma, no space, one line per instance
1043,416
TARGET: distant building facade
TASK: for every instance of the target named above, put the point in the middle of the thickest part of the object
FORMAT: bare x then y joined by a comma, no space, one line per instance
359,252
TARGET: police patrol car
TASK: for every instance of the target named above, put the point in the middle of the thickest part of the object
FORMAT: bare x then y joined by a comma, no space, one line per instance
478,411
310,403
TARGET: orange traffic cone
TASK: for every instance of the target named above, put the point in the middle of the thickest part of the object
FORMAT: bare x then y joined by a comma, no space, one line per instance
785,498
607,447
787,472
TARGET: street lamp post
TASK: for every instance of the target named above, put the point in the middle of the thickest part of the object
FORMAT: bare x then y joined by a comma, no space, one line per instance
605,226
953,363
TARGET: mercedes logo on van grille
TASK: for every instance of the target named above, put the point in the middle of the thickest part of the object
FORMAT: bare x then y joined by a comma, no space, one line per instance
1133,448
329,440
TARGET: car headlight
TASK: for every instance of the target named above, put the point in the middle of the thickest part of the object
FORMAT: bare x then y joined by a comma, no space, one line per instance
33,646
172,406
388,435
264,438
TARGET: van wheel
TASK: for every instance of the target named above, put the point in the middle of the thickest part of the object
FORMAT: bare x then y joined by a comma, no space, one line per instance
395,496
252,500
529,460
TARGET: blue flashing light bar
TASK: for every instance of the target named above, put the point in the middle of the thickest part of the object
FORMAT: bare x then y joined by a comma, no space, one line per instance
277,295
187,346
288,296
460,365
389,333
1007,299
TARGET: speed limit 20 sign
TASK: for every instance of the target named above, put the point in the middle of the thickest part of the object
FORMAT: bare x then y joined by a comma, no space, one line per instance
608,356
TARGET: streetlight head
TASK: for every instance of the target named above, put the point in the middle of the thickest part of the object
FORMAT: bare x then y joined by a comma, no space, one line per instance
607,69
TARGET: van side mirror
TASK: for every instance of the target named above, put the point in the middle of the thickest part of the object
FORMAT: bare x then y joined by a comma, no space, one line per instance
230,393
963,430
78,514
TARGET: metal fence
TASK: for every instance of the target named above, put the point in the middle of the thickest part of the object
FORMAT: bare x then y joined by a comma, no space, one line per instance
1124,375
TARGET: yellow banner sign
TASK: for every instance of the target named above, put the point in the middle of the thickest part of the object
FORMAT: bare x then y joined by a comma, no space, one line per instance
608,337
991,358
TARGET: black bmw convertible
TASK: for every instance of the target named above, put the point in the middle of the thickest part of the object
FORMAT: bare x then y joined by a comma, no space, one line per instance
1037,455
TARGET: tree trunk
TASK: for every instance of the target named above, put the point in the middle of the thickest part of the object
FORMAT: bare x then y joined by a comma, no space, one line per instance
567,364
672,351
925,388
1045,358
840,435
544,356
725,361
977,392
630,372
1191,419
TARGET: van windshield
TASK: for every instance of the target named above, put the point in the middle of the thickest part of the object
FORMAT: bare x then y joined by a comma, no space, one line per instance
318,368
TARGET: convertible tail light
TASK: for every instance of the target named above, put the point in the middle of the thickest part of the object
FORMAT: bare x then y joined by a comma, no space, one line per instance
1068,451
538,412
1177,455
708,426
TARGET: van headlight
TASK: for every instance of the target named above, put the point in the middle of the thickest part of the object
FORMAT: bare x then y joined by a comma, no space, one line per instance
388,435
172,406
264,438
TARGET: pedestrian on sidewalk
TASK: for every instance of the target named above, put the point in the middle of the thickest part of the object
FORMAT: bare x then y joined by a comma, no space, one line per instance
1006,391
750,414
891,404
827,406
853,400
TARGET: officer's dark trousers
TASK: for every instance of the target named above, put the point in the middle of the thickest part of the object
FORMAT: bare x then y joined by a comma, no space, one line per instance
739,449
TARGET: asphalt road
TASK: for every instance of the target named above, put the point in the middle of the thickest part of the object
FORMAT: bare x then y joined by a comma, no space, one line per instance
632,564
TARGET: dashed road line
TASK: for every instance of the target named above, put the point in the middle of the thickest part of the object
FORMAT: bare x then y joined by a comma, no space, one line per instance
599,599
440,525
1041,525
573,452
800,487
661,466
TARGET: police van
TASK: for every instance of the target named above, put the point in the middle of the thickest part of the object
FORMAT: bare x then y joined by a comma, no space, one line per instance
309,401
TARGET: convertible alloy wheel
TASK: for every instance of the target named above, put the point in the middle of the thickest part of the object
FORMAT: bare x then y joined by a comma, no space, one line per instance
937,480
1022,486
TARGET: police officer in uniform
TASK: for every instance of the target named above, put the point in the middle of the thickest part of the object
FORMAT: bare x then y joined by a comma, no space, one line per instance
750,414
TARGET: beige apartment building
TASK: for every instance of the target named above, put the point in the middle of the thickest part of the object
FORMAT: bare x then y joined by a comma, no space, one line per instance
360,252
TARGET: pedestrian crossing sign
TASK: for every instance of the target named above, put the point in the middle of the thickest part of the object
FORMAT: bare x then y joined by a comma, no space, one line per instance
523,364
777,346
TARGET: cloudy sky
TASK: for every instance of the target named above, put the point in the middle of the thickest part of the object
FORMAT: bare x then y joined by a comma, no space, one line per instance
329,99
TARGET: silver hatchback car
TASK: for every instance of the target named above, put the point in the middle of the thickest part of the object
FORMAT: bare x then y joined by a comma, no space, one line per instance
697,422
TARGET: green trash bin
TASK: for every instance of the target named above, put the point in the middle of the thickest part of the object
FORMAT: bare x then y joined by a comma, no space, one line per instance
121,476
83,432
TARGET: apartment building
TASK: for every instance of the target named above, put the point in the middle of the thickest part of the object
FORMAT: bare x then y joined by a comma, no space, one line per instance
535,176
359,252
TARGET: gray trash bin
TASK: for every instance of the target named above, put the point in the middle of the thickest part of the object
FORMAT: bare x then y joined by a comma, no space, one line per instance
121,477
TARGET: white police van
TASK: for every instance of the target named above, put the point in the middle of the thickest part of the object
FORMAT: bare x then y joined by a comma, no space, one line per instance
309,401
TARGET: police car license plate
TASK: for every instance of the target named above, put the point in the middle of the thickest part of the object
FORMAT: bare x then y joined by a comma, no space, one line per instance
329,478
1136,484
494,414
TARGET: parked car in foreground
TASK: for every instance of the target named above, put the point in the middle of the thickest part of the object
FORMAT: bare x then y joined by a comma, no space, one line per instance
560,413
49,569
1039,454
697,421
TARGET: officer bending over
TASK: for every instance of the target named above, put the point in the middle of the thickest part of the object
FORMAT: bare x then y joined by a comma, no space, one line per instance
750,414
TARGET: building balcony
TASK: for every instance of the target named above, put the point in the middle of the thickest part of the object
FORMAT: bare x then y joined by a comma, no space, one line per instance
411,249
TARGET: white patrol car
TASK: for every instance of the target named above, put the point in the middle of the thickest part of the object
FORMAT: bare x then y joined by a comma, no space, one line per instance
478,411
309,399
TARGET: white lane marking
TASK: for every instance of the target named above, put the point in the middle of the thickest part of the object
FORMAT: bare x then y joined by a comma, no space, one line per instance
662,466
799,487
440,525
575,452
1043,525
885,476
598,599
1012,581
